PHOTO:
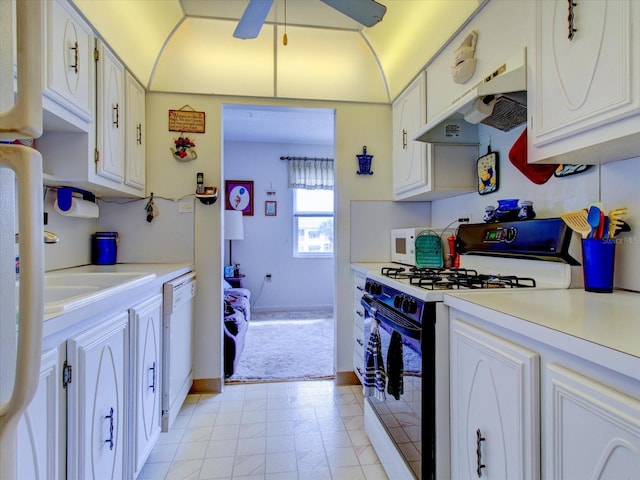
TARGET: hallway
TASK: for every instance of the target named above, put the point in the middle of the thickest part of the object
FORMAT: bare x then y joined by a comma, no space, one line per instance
272,431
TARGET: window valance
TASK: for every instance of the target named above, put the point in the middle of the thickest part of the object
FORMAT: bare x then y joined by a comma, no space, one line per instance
310,173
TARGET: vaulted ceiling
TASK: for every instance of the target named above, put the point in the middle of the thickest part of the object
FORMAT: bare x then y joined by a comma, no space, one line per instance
188,46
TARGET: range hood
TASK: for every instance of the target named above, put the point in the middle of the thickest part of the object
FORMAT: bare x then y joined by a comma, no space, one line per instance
498,100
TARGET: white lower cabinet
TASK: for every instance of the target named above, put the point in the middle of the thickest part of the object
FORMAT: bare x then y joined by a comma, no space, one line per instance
39,428
590,429
146,330
526,409
494,406
96,412
359,340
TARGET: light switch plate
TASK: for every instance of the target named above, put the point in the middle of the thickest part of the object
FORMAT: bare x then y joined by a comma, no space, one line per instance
185,207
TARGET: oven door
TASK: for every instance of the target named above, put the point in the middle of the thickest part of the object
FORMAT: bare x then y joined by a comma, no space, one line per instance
402,429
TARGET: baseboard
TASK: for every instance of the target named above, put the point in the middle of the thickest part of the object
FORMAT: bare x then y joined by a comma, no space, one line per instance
207,385
346,378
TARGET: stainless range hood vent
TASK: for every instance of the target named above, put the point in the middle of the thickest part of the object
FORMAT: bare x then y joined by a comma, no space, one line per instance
509,111
499,101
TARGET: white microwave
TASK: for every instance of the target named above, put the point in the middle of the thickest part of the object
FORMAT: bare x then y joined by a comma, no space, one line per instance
403,244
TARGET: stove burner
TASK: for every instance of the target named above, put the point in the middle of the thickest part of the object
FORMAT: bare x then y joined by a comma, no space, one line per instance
456,278
395,272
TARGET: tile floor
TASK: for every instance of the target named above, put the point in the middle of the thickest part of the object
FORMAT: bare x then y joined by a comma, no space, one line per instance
272,431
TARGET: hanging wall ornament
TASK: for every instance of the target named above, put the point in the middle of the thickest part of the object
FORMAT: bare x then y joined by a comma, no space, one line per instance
183,149
464,61
364,163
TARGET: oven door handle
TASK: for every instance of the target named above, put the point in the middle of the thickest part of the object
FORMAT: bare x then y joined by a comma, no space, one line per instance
406,330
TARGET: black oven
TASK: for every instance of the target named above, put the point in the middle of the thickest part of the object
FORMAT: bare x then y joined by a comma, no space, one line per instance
408,416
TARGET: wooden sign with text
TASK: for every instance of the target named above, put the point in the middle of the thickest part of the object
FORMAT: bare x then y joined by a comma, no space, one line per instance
186,121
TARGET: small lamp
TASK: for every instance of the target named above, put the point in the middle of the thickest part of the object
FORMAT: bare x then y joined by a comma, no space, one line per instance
233,228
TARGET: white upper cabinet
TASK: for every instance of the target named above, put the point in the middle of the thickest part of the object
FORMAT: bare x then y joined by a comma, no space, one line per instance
110,117
409,156
584,97
426,171
68,64
135,134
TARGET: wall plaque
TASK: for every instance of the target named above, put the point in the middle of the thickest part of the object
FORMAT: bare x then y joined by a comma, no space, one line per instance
186,120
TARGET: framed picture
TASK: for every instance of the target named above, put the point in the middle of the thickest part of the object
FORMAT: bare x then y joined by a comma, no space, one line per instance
239,196
270,208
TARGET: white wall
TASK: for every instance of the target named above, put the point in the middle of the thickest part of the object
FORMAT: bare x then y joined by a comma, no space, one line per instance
74,245
356,125
267,245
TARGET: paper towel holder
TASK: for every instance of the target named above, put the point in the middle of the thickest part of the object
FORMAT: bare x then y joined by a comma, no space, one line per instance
66,193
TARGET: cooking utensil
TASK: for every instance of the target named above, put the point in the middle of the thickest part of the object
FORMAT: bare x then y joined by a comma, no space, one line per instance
593,218
616,215
577,221
605,227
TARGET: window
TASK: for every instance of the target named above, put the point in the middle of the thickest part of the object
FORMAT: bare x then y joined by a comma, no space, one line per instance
312,223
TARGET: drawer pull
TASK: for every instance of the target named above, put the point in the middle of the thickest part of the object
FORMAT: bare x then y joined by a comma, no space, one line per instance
110,439
479,464
152,369
360,342
75,58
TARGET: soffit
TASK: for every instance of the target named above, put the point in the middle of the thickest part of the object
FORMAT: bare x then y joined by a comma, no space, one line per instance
187,46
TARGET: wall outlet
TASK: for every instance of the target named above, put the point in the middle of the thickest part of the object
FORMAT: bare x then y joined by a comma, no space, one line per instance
185,207
267,277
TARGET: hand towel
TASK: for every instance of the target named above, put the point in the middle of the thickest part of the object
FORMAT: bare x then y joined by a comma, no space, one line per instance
395,366
374,374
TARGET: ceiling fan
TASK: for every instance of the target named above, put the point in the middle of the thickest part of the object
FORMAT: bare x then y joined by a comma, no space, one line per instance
366,12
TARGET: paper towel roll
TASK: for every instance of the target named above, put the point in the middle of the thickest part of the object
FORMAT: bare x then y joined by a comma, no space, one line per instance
79,208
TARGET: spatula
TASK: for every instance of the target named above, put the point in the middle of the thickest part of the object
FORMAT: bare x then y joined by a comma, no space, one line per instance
593,218
577,221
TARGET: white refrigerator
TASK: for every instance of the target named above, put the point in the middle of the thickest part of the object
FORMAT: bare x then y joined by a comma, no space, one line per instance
21,308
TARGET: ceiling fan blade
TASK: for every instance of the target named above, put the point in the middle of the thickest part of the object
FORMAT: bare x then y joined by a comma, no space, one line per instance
252,19
366,12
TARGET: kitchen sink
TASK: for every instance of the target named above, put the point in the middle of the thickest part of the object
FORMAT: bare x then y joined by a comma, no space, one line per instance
64,291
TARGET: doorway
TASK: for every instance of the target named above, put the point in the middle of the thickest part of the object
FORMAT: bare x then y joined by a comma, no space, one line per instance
290,293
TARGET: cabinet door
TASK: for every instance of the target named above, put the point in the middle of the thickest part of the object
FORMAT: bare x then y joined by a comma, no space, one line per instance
146,328
96,396
587,82
494,407
409,156
591,430
135,135
110,124
69,60
39,428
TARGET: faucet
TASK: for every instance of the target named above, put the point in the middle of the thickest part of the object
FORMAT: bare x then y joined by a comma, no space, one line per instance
49,237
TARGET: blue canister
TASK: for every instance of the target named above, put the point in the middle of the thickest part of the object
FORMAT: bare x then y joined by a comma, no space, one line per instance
104,248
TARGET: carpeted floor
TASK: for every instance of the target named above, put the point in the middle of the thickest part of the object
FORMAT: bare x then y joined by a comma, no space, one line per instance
287,346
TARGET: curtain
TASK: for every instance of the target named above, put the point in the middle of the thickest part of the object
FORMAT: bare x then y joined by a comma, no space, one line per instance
311,173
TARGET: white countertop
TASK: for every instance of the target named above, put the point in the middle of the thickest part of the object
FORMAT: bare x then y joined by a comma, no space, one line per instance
605,326
610,320
58,323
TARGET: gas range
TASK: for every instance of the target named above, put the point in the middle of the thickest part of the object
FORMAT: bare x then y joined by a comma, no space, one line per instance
528,254
405,300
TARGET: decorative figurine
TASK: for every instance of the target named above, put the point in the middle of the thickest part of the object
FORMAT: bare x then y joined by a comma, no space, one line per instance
364,162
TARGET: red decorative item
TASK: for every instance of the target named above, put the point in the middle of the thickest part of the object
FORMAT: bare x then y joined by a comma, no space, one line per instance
538,174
